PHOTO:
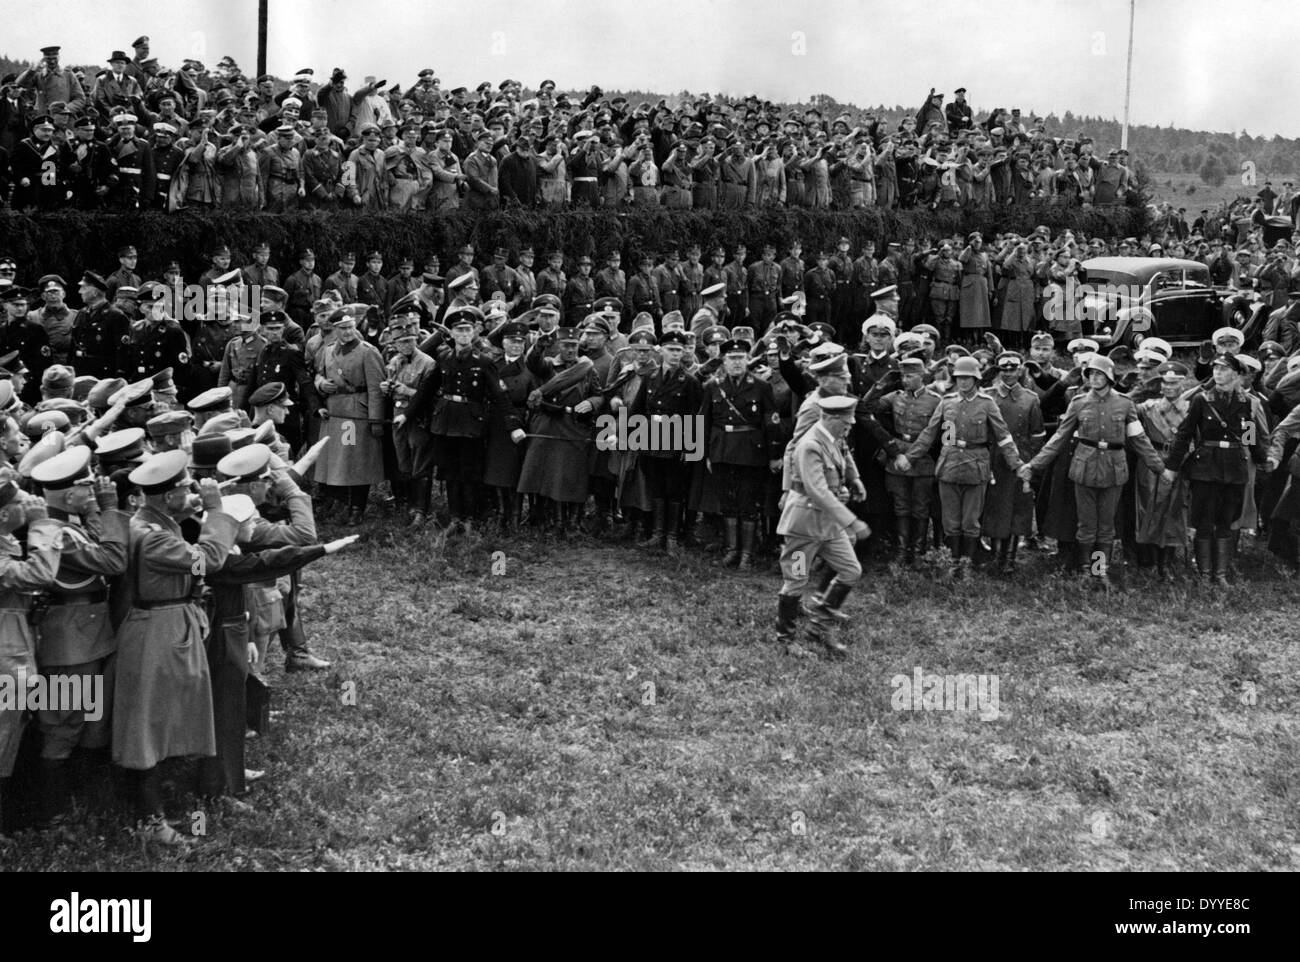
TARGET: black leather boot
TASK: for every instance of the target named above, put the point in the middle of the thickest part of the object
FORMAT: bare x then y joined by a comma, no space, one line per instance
657,532
672,512
904,526
748,532
787,614
1222,556
823,614
1116,568
731,531
1204,548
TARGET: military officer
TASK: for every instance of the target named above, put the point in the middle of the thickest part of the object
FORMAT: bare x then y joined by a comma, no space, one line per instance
551,279
500,277
457,397
1221,430
817,524
671,392
171,430
841,265
20,578
1104,422
76,637
910,489
372,286
965,422
710,313
27,337
157,341
642,291
610,281
343,280
734,276
101,333
162,703
281,166
743,427
792,271
280,362
132,164
1009,508
407,370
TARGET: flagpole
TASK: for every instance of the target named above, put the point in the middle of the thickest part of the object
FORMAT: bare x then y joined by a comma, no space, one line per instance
261,41
1128,73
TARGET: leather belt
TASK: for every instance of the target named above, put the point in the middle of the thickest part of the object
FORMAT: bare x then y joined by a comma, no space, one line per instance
163,176
163,603
584,180
1101,445
1220,444
970,444
455,397
129,170
79,597
735,428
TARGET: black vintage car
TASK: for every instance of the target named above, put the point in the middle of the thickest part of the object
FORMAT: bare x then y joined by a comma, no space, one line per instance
1125,299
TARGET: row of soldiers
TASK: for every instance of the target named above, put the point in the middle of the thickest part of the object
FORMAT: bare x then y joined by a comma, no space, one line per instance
151,556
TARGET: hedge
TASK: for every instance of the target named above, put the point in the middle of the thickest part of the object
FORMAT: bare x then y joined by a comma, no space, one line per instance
68,242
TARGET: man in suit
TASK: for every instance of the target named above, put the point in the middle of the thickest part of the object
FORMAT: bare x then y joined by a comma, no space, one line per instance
817,523
117,88
958,113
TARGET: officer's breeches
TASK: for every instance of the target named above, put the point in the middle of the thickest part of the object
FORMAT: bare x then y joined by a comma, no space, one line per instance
798,554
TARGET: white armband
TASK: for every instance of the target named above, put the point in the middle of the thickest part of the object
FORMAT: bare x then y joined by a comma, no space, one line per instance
1133,429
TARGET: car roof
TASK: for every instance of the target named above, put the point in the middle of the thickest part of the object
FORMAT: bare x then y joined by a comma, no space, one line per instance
1141,268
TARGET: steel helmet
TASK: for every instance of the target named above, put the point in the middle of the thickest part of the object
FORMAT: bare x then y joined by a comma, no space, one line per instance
966,367
1099,362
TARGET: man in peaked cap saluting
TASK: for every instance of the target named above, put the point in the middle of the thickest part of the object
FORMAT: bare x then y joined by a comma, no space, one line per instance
162,704
817,523
77,638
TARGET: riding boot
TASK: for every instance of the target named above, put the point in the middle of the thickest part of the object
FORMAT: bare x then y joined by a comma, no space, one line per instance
824,612
1013,552
1205,559
1170,558
672,512
787,611
748,530
1222,556
657,534
1116,567
731,530
905,539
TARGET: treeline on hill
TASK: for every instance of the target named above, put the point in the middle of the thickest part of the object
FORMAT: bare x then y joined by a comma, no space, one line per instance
67,242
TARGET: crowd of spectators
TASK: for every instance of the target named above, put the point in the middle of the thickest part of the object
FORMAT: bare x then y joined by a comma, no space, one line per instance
138,136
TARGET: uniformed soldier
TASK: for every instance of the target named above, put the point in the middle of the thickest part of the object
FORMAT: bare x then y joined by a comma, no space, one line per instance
610,281
671,392
1160,509
735,276
457,397
763,282
817,524
101,333
1009,507
841,265
1104,422
407,370
343,280
131,159
349,379
911,490
25,336
20,579
210,404
819,288
162,705
500,277
281,362
966,422
792,271
579,294
260,273
75,636
642,291
551,279
171,431
157,341
1214,443
239,358
303,287
742,425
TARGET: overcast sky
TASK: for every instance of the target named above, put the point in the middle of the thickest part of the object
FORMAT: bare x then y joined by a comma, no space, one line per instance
1219,65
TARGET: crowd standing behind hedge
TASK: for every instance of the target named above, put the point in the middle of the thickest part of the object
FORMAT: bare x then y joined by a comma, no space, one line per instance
137,136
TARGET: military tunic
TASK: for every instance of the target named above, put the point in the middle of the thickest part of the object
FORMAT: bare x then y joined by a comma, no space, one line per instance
157,346
743,430
18,580
967,425
764,283
815,519
1214,445
354,456
1154,496
561,452
162,703
237,367
911,491
504,457
100,337
1008,507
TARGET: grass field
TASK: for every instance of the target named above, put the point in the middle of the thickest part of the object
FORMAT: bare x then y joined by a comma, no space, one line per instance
1188,190
591,706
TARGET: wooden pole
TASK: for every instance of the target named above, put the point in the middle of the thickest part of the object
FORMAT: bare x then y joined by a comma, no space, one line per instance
261,39
1128,73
